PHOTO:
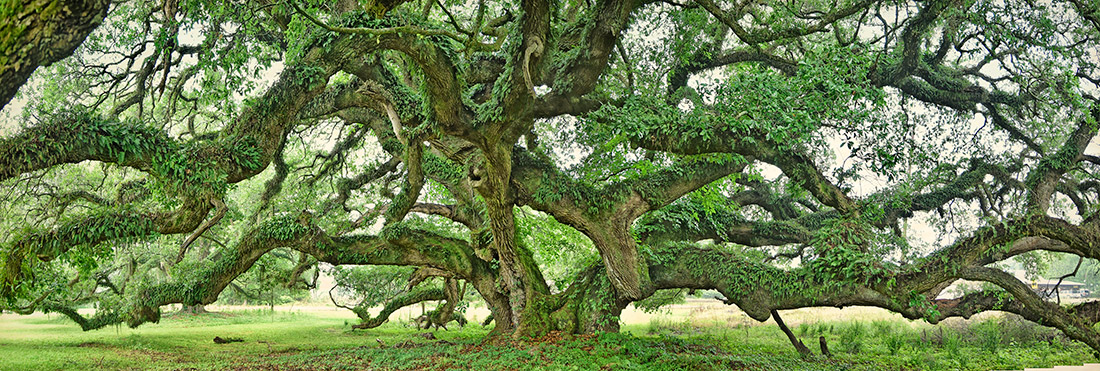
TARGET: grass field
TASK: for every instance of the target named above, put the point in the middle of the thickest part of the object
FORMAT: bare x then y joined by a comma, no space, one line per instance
696,335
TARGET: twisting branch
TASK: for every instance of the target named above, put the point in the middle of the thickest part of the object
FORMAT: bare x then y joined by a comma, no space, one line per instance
447,211
1054,290
374,31
1001,122
1043,180
764,36
219,212
798,345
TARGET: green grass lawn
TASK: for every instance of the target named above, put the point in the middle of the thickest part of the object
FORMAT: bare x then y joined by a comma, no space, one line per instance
323,340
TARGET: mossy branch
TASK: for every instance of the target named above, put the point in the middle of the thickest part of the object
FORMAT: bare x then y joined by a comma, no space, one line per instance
375,31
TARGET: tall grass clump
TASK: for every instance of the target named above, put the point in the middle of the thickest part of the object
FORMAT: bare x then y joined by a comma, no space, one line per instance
990,334
851,337
952,342
883,328
894,342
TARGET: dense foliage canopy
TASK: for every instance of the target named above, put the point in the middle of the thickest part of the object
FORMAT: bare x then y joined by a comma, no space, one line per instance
560,159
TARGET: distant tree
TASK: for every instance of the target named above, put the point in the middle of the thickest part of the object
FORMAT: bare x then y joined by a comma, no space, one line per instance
810,145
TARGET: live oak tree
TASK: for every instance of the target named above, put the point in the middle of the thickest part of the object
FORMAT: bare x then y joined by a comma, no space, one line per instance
562,159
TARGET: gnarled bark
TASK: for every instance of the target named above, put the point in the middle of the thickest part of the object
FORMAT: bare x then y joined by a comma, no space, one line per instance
40,32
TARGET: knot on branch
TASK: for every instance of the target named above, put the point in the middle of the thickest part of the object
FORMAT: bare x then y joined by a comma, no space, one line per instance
305,218
534,49
476,174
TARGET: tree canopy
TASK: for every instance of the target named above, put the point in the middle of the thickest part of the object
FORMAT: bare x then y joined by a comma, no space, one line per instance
560,159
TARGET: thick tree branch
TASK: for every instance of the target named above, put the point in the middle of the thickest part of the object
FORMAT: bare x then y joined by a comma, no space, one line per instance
1044,179
606,214
40,32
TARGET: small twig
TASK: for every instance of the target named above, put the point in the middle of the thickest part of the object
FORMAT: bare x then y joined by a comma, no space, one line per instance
626,62
451,18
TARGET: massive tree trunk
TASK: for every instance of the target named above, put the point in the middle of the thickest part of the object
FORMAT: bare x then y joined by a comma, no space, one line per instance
520,277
